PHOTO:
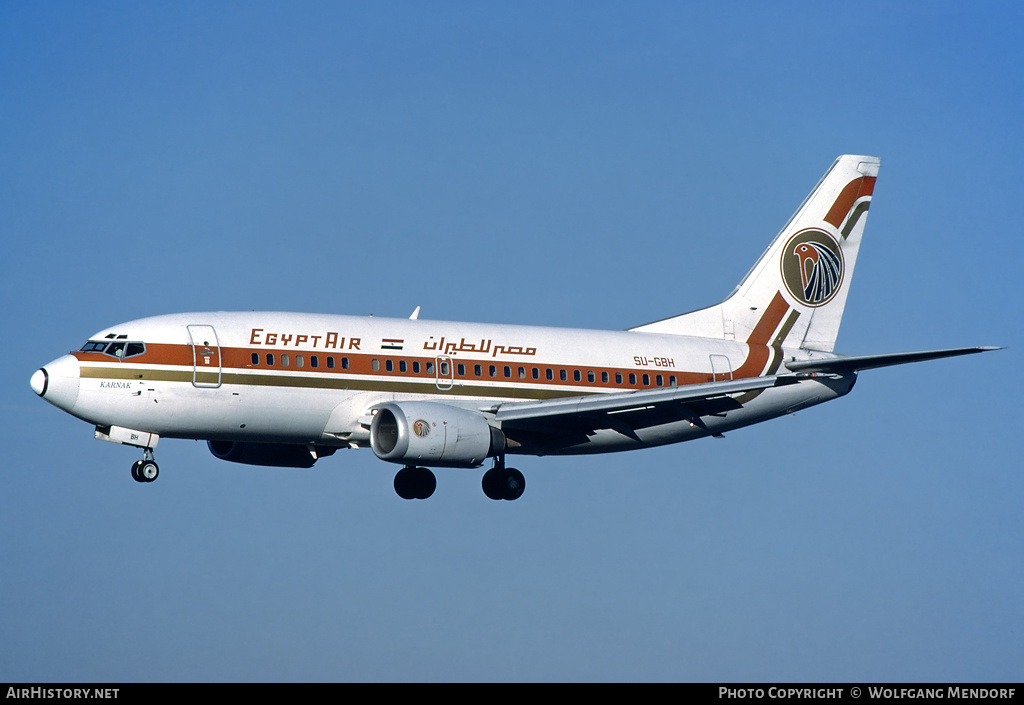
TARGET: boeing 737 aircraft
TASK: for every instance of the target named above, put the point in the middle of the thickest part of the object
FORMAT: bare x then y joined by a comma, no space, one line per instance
286,389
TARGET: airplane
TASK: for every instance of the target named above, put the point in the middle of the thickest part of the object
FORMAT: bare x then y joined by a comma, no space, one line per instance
286,389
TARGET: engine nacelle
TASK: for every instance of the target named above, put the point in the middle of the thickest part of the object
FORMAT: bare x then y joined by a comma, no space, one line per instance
280,455
434,434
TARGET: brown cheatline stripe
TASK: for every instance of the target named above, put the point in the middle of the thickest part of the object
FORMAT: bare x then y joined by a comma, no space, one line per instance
863,186
238,361
758,357
425,386
757,342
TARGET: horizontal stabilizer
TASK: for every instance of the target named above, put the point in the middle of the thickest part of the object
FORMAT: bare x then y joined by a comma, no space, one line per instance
841,365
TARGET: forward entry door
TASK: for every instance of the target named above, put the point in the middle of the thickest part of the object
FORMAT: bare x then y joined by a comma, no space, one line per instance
205,356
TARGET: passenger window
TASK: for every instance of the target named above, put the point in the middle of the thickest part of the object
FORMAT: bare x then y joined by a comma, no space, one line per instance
389,365
477,370
330,362
300,360
590,375
314,361
522,373
430,368
402,367
416,367
536,373
647,380
270,358
284,360
462,370
671,380
577,376
492,371
563,375
658,380
632,378
255,358
618,378
444,368
604,377
549,373
508,371
344,363
375,365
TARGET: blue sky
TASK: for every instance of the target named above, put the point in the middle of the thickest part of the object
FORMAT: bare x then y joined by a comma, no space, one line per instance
587,164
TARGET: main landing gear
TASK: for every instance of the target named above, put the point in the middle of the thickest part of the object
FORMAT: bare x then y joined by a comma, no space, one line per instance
145,470
501,482
415,483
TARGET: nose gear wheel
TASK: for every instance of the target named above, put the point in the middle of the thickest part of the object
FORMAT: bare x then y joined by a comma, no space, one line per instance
145,470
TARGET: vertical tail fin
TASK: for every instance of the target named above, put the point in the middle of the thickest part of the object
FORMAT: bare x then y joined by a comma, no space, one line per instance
795,293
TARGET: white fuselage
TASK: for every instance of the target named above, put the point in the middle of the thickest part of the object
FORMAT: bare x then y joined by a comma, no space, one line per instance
315,379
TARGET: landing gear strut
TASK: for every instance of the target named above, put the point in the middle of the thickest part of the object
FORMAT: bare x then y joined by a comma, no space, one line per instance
145,470
415,483
501,482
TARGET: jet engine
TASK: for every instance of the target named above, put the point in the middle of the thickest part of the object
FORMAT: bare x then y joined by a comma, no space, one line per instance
431,433
281,455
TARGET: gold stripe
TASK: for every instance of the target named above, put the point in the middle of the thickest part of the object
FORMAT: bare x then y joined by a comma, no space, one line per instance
786,327
162,375
860,210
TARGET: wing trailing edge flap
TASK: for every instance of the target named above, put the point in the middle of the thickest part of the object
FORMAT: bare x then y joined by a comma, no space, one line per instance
842,365
627,411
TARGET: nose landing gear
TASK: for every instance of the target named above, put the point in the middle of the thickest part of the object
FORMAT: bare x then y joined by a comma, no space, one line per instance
145,470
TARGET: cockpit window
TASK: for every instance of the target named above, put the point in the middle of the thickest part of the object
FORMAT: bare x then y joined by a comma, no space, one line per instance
120,349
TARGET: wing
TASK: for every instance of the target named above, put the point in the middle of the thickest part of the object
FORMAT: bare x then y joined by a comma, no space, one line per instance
566,420
626,412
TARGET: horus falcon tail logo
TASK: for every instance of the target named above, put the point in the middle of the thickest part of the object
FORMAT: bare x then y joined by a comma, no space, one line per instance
812,267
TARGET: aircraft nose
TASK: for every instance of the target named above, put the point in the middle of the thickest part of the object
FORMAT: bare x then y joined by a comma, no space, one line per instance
38,382
58,382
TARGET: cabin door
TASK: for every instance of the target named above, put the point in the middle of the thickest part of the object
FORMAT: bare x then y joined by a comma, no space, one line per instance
205,356
720,368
